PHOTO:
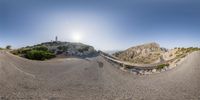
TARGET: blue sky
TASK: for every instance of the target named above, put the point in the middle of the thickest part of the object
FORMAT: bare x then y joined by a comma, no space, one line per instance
104,24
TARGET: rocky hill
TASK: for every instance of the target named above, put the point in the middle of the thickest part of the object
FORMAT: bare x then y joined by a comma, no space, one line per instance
142,54
50,50
69,49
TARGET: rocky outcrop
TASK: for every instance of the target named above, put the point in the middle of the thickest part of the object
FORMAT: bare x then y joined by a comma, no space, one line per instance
142,54
69,49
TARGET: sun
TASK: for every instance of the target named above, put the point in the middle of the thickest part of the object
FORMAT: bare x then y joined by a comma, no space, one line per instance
76,37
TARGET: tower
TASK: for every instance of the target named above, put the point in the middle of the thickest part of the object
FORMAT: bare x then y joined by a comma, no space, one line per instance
56,38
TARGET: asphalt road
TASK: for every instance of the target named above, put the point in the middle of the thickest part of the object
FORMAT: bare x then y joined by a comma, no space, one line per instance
94,79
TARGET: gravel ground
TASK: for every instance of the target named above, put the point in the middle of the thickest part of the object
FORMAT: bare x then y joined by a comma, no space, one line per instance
94,79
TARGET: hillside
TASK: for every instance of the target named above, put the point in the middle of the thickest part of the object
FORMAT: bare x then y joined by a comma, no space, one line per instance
142,54
68,48
49,50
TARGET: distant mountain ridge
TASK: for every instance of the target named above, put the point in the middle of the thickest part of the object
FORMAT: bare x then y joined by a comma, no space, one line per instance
142,54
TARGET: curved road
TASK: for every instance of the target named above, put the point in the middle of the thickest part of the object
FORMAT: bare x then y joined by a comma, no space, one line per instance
94,79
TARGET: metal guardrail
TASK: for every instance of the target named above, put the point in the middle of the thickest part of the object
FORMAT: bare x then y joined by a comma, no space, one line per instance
131,65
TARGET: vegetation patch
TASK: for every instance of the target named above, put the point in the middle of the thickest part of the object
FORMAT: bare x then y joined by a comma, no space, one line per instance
8,47
34,53
39,55
161,66
63,48
182,52
84,48
49,50
40,48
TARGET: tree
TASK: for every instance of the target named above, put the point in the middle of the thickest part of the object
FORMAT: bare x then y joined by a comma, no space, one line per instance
8,47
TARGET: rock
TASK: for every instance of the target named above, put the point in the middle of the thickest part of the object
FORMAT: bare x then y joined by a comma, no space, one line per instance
147,72
154,70
123,68
166,68
162,70
141,72
135,73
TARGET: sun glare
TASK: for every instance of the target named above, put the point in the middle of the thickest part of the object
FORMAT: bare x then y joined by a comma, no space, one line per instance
76,37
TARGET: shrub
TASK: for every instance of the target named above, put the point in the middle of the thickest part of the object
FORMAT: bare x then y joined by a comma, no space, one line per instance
161,66
15,52
63,48
40,48
8,47
85,48
52,50
39,55
21,51
59,52
24,50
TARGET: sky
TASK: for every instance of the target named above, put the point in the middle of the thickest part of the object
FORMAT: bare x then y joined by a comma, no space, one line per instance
104,24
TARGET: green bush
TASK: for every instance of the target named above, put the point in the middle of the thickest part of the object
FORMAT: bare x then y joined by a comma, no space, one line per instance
8,47
63,48
15,52
40,48
85,48
39,55
25,50
161,66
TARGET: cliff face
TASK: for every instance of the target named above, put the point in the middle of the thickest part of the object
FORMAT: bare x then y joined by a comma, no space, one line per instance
142,54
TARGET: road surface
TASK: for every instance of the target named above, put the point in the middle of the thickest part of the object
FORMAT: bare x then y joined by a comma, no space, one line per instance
94,79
